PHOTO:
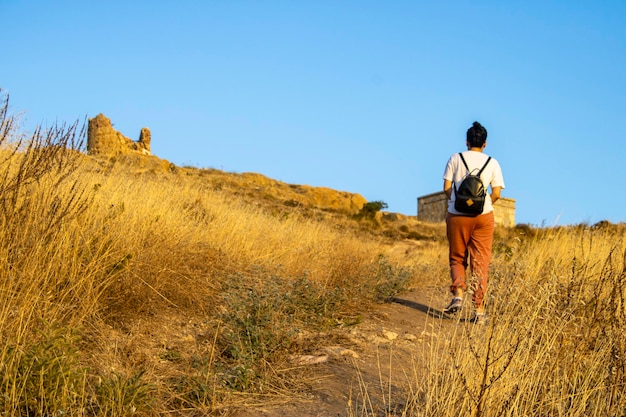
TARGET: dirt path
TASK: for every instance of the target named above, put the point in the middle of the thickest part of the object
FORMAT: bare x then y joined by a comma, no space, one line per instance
373,364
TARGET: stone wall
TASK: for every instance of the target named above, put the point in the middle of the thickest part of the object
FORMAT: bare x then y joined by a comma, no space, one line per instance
103,139
433,208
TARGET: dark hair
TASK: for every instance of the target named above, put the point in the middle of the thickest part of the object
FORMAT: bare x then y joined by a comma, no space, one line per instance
476,135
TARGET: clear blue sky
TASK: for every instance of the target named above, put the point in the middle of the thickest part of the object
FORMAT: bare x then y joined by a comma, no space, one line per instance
363,96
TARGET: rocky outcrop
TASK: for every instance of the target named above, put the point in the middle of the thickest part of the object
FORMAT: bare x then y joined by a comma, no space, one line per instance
103,139
304,195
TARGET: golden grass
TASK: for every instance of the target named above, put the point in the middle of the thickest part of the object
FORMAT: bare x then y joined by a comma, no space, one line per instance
554,344
135,291
141,291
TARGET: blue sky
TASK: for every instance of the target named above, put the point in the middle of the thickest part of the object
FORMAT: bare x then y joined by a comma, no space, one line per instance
363,96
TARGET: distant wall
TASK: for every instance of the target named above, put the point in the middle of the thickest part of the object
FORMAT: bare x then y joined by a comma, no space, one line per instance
103,139
433,208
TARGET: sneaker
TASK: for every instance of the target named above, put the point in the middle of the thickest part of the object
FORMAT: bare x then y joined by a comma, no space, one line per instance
480,318
454,306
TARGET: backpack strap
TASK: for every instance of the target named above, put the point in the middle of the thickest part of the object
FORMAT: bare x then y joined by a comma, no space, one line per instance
468,170
484,166
466,167
464,163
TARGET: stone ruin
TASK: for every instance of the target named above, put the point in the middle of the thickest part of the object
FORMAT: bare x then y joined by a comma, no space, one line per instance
434,207
103,139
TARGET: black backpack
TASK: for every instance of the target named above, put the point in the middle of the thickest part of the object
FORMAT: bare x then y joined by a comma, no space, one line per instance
471,194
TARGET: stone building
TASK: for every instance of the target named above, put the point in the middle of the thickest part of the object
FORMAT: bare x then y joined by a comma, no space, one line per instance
433,208
103,139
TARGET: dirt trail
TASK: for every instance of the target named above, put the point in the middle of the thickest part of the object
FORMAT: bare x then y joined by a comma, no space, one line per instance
393,339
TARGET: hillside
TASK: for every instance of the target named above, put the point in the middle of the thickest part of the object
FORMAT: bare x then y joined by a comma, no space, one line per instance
273,196
327,364
132,286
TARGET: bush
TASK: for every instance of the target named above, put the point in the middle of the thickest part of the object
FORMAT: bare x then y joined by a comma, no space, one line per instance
370,209
42,378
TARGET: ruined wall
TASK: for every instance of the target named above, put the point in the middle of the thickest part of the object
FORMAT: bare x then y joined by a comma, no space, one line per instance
103,139
433,208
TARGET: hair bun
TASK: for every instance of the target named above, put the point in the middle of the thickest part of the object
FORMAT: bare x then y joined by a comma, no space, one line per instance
476,135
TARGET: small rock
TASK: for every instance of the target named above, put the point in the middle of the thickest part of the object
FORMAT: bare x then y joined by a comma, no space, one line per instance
340,351
377,340
390,335
187,338
310,359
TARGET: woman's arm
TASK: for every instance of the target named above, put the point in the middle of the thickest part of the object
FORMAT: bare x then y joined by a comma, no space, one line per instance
447,188
495,194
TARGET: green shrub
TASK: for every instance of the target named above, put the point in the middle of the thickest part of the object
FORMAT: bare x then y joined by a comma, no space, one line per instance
43,377
390,280
370,209
120,395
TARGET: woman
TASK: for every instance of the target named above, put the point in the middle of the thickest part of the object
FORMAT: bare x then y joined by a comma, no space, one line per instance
471,236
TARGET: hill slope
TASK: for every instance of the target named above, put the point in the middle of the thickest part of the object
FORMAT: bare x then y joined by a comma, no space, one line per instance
134,287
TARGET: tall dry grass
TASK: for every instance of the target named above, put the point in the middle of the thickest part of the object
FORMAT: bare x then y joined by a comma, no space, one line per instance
127,293
554,344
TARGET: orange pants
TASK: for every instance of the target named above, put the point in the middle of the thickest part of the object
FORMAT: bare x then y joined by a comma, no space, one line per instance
470,237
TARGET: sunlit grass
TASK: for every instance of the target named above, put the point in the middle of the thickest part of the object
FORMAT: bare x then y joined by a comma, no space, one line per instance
140,290
554,343
102,264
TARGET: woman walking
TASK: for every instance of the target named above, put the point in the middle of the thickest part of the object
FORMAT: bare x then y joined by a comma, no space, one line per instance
470,235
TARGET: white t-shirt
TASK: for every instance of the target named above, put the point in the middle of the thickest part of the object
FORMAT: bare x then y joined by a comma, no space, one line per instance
455,171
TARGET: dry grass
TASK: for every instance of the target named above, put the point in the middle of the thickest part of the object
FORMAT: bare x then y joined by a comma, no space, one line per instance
141,290
133,291
554,344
